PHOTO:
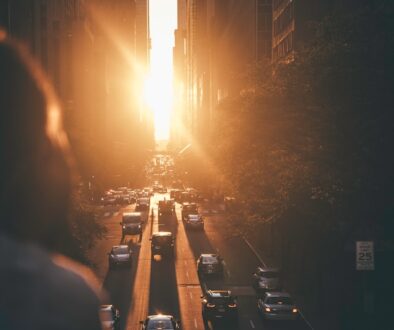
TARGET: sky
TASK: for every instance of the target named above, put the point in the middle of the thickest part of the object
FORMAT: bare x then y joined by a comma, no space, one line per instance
163,20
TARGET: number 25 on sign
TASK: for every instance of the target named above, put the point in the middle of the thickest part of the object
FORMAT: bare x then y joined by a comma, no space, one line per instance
365,255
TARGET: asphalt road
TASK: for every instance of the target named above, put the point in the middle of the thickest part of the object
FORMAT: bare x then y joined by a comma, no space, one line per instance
171,286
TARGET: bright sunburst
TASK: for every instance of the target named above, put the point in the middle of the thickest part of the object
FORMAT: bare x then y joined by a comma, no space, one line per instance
158,87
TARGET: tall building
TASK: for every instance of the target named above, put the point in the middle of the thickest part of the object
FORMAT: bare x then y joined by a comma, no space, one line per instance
223,39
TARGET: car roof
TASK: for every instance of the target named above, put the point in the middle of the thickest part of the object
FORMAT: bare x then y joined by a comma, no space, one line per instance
219,293
277,294
131,214
160,317
268,269
162,233
209,255
123,246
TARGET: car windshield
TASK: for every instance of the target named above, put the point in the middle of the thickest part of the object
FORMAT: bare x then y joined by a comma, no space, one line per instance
131,219
160,324
210,260
121,250
269,274
162,239
220,301
279,301
194,218
106,315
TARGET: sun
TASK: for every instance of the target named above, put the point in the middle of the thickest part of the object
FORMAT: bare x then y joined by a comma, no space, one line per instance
158,93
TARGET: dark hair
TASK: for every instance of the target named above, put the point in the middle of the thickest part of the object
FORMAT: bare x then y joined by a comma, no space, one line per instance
35,183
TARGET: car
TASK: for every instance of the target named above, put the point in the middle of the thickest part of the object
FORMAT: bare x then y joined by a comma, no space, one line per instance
267,279
166,207
159,321
194,221
210,264
142,204
120,255
219,305
109,317
162,243
131,223
188,208
277,306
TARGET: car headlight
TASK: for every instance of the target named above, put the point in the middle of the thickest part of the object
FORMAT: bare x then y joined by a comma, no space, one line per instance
209,305
295,310
267,309
124,227
139,226
232,305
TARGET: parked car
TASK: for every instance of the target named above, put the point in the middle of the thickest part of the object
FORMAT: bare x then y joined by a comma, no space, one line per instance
219,305
194,221
164,322
210,264
109,317
120,255
162,243
267,279
277,306
131,223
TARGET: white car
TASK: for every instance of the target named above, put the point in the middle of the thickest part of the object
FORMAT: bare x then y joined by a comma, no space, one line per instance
277,306
267,279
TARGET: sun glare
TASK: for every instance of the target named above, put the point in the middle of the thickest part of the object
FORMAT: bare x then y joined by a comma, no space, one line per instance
158,92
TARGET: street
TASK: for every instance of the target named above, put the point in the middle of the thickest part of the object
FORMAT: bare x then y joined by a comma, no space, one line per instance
167,286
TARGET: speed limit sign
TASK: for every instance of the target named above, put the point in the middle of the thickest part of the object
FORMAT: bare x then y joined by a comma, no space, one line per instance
364,255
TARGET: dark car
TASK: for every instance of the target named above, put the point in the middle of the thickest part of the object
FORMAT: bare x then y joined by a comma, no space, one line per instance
210,264
120,255
219,305
267,279
162,243
188,208
142,204
131,223
110,317
162,322
166,207
194,221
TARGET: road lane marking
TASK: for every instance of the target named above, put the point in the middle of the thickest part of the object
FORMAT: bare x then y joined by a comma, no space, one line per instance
306,321
191,295
106,214
195,323
187,274
254,251
185,262
228,274
252,324
116,213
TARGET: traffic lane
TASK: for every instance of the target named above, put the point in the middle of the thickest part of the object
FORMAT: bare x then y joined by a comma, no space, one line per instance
163,293
189,290
240,265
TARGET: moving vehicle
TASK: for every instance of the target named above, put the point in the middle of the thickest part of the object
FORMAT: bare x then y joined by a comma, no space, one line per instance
267,279
194,221
210,264
131,223
188,208
162,243
277,306
162,322
120,255
166,207
219,305
109,317
142,204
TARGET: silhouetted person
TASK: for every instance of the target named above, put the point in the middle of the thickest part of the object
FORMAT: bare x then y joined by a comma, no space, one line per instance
38,289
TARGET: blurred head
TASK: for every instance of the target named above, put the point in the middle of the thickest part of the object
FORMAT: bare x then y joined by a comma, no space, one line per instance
35,180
